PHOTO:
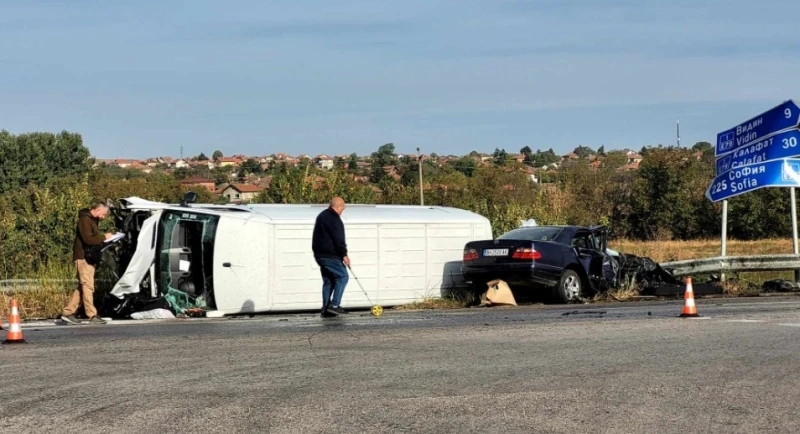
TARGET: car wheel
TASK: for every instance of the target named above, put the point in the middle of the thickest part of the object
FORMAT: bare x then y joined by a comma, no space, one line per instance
570,287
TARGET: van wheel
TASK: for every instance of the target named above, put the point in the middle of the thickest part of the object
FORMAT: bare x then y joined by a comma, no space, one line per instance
570,287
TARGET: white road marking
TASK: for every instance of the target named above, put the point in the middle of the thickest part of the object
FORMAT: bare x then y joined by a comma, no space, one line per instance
744,320
790,324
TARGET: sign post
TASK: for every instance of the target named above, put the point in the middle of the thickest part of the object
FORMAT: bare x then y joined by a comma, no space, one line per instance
724,233
794,231
755,154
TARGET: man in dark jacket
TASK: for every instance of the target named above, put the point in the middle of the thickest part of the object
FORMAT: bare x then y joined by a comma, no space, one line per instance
87,238
330,252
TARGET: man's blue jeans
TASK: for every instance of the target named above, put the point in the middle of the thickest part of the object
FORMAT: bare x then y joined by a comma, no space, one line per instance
334,279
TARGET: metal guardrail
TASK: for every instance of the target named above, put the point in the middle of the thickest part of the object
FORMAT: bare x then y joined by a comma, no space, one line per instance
10,286
728,264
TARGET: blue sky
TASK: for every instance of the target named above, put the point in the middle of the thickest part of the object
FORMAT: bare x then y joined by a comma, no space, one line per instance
141,78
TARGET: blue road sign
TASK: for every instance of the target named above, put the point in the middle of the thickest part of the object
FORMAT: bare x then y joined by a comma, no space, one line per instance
776,173
784,116
781,145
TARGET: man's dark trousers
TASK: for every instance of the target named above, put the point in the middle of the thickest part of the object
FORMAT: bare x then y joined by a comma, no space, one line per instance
334,279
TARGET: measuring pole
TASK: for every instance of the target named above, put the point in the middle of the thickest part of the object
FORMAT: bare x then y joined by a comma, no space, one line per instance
724,233
794,230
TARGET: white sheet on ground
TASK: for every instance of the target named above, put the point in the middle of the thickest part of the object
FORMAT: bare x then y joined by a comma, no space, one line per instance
142,259
153,314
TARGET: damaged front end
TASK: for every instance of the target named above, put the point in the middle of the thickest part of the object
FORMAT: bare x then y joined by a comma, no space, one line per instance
621,271
163,263
642,274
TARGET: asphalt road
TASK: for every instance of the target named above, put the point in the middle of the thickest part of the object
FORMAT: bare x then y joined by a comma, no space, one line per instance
630,368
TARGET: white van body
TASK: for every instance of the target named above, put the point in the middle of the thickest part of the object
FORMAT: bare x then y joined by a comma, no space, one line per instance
262,259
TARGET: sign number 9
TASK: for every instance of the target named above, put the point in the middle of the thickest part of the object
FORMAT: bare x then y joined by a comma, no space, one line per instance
788,113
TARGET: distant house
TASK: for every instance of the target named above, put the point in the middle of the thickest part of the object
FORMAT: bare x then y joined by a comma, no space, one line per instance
238,193
227,162
633,157
119,162
200,182
324,161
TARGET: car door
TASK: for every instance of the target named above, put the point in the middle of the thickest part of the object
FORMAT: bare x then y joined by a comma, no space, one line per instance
585,244
609,266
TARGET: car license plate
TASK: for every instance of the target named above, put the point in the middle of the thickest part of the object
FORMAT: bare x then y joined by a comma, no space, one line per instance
495,252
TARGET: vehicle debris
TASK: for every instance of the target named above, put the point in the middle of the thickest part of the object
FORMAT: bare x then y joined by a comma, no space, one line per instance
780,285
498,293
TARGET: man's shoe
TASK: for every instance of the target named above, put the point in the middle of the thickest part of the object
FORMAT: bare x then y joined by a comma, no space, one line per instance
70,319
338,310
327,314
96,320
331,311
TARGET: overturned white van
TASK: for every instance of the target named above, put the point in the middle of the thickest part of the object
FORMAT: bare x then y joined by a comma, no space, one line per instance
257,258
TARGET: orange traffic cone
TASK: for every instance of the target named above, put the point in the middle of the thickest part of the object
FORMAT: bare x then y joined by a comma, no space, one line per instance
14,335
689,308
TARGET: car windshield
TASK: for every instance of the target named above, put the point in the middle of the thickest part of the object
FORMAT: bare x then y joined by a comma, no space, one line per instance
531,234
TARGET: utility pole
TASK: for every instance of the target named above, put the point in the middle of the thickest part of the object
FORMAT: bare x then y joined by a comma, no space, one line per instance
419,164
678,126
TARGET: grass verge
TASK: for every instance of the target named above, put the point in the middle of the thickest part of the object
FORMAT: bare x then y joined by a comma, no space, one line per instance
456,300
41,296
666,251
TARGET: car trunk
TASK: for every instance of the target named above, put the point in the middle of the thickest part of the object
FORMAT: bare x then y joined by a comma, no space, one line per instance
498,251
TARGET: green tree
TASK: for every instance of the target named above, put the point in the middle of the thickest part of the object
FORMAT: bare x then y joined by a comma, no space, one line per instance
601,150
251,166
181,173
202,157
543,158
352,165
466,165
615,159
703,147
221,175
500,157
668,199
383,157
38,158
583,151
216,154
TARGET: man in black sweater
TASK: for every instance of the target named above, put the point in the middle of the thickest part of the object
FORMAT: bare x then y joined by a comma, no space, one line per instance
330,252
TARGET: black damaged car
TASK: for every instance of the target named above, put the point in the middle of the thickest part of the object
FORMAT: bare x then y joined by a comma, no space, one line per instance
567,262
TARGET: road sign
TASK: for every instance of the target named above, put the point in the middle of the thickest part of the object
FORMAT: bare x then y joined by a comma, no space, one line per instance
776,173
782,117
781,145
